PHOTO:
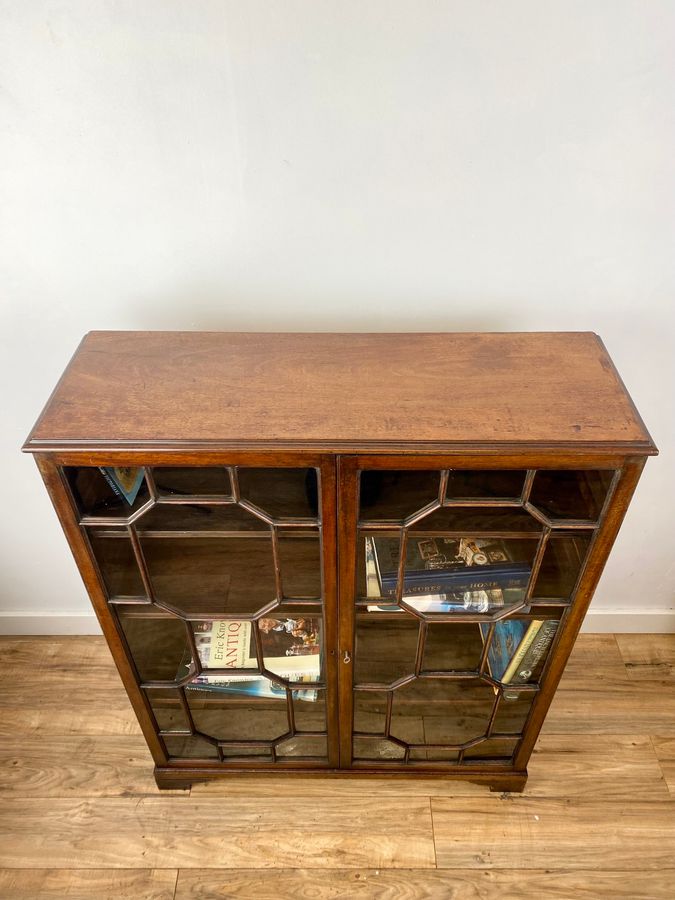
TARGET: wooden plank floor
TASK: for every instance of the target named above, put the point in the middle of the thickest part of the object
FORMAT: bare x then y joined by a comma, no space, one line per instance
80,816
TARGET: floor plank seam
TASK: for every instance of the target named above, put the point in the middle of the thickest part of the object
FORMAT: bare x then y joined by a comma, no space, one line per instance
433,832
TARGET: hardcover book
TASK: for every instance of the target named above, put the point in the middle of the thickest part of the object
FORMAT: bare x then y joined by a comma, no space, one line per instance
462,573
518,649
291,650
478,601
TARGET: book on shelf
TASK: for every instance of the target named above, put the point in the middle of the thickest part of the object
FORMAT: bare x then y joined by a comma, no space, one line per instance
262,687
461,575
291,649
125,481
518,649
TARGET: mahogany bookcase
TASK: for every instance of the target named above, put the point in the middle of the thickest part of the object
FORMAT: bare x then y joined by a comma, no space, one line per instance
268,463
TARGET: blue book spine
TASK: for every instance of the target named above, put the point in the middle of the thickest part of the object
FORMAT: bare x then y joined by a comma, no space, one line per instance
505,641
471,578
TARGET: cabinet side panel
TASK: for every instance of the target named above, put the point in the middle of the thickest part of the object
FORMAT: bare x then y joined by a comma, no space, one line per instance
612,518
63,505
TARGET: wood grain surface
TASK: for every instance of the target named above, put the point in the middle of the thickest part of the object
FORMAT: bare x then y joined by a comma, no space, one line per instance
339,391
80,818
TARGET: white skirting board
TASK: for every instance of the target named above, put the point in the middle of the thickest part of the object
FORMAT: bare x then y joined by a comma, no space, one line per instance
602,621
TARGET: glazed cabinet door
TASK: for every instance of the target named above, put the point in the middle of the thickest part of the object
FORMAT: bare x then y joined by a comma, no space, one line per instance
456,583
217,583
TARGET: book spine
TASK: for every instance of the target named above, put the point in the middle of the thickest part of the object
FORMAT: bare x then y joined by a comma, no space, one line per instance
453,582
111,481
523,647
536,652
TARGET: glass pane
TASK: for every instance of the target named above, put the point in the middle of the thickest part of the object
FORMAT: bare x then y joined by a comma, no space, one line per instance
434,754
519,648
212,575
108,492
564,556
283,493
370,709
291,647
300,562
385,650
484,484
303,745
452,646
195,481
190,747
452,711
174,519
158,644
376,748
167,709
570,494
117,563
495,748
446,575
370,717
309,708
245,753
395,495
512,714
237,717
476,522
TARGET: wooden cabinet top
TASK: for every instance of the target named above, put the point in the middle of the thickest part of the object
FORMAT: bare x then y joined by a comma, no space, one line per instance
342,392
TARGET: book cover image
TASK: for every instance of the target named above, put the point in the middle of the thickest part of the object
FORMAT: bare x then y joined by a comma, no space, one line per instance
506,639
518,650
291,647
125,481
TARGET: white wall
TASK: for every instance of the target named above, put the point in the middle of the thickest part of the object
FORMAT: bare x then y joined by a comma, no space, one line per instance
305,165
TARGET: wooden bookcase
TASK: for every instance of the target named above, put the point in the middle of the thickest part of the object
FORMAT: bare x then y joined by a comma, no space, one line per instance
269,463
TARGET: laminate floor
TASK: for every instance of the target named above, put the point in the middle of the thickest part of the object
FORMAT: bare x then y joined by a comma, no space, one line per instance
80,816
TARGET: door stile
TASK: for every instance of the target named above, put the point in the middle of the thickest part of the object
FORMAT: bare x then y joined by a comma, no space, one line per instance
329,577
348,504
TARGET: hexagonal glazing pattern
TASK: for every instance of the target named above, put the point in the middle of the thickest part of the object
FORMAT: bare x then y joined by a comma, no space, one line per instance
176,499
459,710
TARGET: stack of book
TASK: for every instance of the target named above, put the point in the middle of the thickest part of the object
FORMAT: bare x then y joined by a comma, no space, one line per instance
291,649
446,574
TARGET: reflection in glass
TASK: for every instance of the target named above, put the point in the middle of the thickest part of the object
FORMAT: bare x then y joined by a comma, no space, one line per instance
195,481
283,493
395,495
212,574
108,493
385,649
157,644
376,748
484,484
190,747
568,494
117,563
563,559
452,711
